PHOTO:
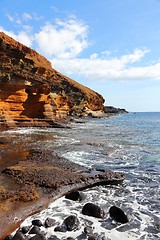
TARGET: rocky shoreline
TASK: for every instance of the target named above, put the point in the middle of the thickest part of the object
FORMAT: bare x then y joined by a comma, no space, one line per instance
40,228
43,176
33,94
109,111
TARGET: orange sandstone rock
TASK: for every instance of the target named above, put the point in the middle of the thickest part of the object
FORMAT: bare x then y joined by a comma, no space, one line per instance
31,90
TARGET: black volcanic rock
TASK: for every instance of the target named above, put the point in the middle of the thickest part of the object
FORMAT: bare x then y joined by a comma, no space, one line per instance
37,222
71,223
93,210
38,236
118,214
19,236
35,230
60,229
49,222
75,196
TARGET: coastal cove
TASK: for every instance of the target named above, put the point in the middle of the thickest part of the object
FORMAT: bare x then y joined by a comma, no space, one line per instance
79,120
129,144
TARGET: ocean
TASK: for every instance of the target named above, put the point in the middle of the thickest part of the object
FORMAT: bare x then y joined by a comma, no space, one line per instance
129,143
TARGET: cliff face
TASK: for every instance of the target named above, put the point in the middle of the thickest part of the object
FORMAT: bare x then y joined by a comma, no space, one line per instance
32,92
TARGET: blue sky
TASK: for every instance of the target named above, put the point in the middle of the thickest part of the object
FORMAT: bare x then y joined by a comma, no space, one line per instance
111,46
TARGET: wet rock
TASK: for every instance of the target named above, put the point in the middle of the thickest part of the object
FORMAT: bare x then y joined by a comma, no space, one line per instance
60,229
104,238
38,236
118,215
152,229
109,225
70,238
97,237
35,230
88,230
136,223
93,210
88,222
19,236
53,238
49,222
124,228
8,237
75,196
37,222
25,229
93,237
81,236
72,223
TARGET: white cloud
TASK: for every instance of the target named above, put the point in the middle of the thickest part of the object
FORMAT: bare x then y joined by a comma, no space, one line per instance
57,10
94,56
17,19
26,16
100,68
22,36
135,56
20,19
64,39
37,17
63,42
10,17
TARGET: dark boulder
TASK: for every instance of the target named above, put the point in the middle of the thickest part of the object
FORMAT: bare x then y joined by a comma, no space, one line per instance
60,229
93,210
37,222
88,230
93,237
53,237
75,196
35,230
71,223
19,236
38,236
49,222
25,229
118,215
104,238
8,237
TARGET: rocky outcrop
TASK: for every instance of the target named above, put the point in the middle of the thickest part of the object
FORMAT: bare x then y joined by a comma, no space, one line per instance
41,178
114,111
33,93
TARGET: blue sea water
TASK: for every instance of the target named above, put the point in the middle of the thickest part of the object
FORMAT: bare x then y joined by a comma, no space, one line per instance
129,143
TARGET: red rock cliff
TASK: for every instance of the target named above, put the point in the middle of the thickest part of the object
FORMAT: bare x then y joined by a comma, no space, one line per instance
30,89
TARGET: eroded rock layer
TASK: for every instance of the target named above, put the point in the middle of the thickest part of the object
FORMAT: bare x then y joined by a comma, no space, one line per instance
33,93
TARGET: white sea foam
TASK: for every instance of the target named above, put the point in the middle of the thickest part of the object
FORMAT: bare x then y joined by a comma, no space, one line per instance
104,197
80,157
22,131
61,141
101,143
